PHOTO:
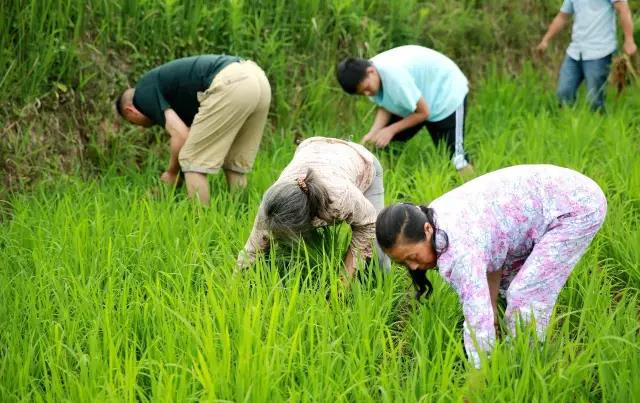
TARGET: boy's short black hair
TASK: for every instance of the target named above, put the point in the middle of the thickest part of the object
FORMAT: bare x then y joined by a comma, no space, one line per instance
350,72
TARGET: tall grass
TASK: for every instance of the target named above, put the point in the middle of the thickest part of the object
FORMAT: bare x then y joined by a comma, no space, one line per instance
113,289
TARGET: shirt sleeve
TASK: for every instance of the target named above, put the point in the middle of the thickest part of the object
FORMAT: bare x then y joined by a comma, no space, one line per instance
469,278
354,209
149,99
258,242
567,7
162,105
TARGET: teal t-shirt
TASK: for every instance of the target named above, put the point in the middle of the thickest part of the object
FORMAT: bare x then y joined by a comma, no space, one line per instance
176,85
410,72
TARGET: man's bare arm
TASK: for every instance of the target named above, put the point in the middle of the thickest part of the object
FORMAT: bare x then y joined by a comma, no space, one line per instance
418,116
626,22
179,133
421,114
558,23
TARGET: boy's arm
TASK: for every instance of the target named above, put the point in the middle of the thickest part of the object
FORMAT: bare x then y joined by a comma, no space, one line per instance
382,119
179,133
558,23
626,22
421,114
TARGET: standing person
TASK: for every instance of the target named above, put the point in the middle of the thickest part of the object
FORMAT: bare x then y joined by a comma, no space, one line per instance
214,107
520,229
593,41
328,181
414,87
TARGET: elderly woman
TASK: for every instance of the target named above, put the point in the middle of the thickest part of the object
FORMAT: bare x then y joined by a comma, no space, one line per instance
328,181
520,229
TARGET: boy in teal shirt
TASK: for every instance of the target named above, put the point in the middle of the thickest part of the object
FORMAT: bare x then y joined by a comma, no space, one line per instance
414,87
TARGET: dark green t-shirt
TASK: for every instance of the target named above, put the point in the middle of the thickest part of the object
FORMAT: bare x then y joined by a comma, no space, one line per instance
176,85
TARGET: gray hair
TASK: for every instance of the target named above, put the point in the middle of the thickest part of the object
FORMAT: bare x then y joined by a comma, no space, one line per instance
289,209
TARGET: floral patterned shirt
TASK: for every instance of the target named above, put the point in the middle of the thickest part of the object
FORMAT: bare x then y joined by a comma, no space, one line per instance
493,223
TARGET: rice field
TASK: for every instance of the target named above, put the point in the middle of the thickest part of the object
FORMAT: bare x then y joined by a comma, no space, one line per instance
117,288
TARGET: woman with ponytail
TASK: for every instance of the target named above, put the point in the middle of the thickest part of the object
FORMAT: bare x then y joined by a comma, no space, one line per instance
519,230
328,181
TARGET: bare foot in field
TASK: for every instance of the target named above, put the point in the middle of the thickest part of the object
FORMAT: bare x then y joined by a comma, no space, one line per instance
467,172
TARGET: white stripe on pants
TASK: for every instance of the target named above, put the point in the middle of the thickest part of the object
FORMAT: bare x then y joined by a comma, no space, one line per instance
458,159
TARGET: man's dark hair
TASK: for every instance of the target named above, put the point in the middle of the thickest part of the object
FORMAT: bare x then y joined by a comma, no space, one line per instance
350,72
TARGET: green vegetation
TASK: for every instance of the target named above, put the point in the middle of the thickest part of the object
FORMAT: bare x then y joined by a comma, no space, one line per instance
114,288
63,62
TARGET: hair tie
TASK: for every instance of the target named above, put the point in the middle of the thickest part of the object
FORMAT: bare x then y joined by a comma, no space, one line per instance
302,185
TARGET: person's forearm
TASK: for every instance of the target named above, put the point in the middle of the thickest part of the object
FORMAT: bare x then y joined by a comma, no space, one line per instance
179,133
257,242
409,121
382,119
626,22
350,262
178,138
556,26
175,145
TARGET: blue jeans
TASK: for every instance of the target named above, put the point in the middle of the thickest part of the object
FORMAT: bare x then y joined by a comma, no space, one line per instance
594,72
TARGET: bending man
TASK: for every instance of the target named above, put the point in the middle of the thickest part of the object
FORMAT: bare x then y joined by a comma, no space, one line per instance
214,107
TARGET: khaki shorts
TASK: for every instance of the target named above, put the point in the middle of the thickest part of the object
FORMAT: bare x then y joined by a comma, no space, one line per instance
227,129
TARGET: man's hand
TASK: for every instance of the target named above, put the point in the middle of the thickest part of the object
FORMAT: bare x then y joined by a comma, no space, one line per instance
383,137
542,47
370,137
630,47
467,172
170,178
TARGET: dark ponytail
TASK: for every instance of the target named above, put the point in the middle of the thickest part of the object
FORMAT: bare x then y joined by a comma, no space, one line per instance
408,220
289,206
421,283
